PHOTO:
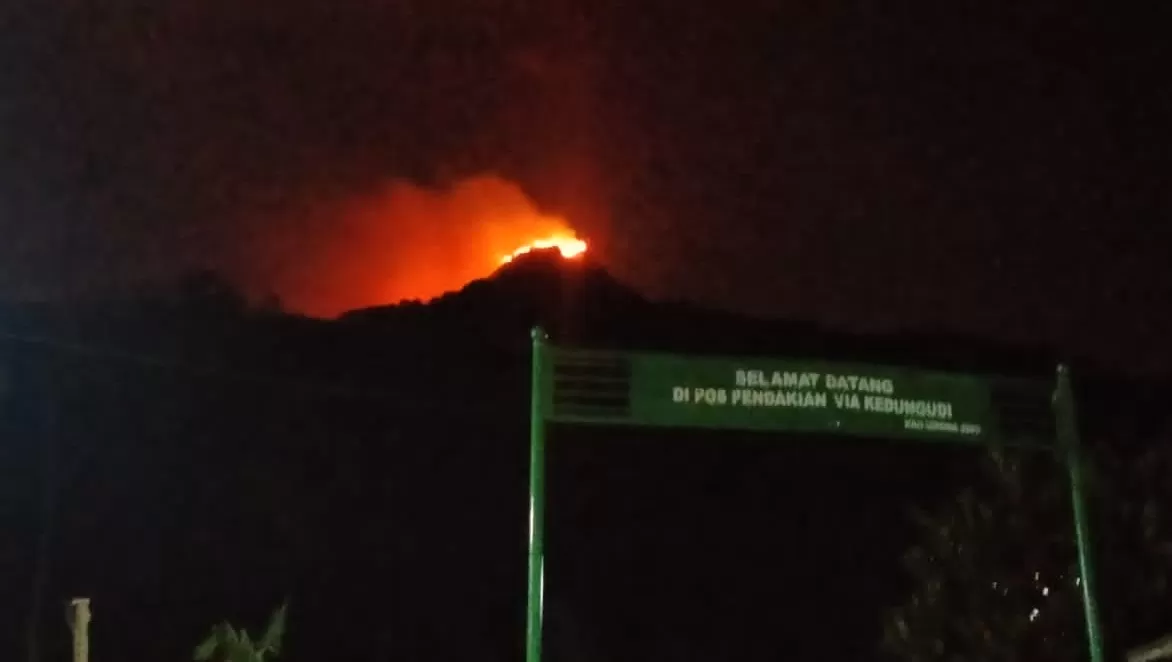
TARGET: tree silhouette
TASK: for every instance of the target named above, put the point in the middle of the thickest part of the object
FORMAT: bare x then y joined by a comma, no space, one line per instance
995,574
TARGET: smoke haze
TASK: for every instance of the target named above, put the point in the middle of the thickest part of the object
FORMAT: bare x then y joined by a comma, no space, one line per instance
405,241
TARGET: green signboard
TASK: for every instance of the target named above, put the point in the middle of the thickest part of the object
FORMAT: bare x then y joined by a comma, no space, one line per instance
744,393
791,395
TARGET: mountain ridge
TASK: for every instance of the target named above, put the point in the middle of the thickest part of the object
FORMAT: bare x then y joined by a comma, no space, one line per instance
577,301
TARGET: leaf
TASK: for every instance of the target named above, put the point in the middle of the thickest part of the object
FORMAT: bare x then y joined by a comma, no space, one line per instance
207,648
227,635
271,641
243,654
234,645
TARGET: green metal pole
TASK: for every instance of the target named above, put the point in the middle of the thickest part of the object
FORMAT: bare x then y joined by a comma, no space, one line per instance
536,503
1067,428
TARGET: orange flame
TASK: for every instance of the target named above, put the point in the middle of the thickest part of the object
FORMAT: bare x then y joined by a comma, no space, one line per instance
404,241
569,246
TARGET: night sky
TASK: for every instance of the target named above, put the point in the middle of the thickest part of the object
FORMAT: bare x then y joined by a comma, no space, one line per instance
997,169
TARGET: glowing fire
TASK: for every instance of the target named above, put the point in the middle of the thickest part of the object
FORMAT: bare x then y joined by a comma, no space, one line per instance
404,241
570,247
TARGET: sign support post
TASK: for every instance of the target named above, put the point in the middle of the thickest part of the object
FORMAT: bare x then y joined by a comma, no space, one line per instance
1069,446
535,604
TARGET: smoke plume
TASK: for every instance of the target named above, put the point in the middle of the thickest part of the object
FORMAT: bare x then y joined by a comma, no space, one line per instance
404,242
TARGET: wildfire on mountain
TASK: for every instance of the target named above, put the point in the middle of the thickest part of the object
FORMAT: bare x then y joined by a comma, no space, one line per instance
412,242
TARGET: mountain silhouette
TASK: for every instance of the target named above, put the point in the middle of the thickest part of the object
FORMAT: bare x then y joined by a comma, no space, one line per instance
579,303
182,457
576,300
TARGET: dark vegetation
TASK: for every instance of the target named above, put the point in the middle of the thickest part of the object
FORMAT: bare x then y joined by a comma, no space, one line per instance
995,573
188,457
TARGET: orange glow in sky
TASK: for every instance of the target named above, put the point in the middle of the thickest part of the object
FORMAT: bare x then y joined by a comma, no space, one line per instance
407,241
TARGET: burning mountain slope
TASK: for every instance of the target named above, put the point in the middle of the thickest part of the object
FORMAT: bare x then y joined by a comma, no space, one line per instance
403,242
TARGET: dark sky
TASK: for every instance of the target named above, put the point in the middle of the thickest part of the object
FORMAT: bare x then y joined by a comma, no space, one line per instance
998,168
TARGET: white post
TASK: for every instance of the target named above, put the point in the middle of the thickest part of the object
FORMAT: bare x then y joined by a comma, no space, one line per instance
80,624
